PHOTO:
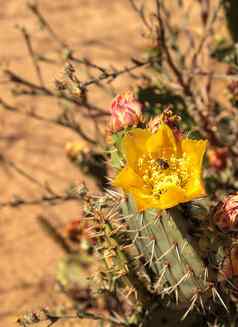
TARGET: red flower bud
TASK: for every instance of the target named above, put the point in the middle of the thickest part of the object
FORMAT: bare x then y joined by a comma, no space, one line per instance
225,214
125,111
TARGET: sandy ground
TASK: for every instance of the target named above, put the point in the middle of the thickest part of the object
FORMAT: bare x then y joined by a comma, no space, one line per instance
105,31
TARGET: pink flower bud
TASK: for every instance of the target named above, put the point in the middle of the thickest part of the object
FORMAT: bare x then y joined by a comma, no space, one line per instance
125,111
225,214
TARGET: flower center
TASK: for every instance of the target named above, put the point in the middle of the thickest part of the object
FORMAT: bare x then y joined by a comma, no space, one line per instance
163,173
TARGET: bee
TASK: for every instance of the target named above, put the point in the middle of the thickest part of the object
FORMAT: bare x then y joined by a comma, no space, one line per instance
163,164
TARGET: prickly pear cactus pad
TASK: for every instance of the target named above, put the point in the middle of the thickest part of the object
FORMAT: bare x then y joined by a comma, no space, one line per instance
158,171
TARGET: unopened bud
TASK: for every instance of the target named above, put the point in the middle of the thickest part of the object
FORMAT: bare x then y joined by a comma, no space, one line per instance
225,214
169,118
125,111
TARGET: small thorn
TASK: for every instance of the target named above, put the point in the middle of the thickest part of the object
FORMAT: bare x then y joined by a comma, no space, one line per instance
152,252
96,235
157,284
194,299
127,246
176,296
177,251
141,216
205,275
186,276
165,253
131,290
201,304
136,230
135,238
220,298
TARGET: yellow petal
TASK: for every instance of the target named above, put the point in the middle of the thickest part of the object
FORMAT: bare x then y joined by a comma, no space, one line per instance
134,145
194,150
145,200
162,144
127,178
194,188
173,196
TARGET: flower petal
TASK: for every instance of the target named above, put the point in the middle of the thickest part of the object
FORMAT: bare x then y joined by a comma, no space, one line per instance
134,145
194,150
162,144
127,178
145,200
173,196
194,188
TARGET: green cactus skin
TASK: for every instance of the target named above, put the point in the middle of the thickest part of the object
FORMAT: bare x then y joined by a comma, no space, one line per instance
166,248
164,241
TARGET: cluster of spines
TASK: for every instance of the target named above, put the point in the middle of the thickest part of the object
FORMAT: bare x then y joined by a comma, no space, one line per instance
129,244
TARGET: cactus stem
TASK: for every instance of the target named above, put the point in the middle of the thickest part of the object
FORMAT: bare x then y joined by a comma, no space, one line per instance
141,237
216,294
165,253
137,230
172,288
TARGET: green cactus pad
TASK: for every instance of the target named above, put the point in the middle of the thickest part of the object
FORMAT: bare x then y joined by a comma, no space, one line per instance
164,241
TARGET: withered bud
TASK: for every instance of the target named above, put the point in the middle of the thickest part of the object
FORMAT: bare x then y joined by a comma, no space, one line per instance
125,111
225,214
169,118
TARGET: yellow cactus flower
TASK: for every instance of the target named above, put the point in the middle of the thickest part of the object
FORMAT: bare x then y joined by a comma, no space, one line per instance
161,170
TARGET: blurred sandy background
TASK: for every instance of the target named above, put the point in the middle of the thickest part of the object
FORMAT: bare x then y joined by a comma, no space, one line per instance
108,32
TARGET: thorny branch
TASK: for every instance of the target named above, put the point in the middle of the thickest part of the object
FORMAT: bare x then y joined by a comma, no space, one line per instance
201,107
52,318
44,199
19,170
27,39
